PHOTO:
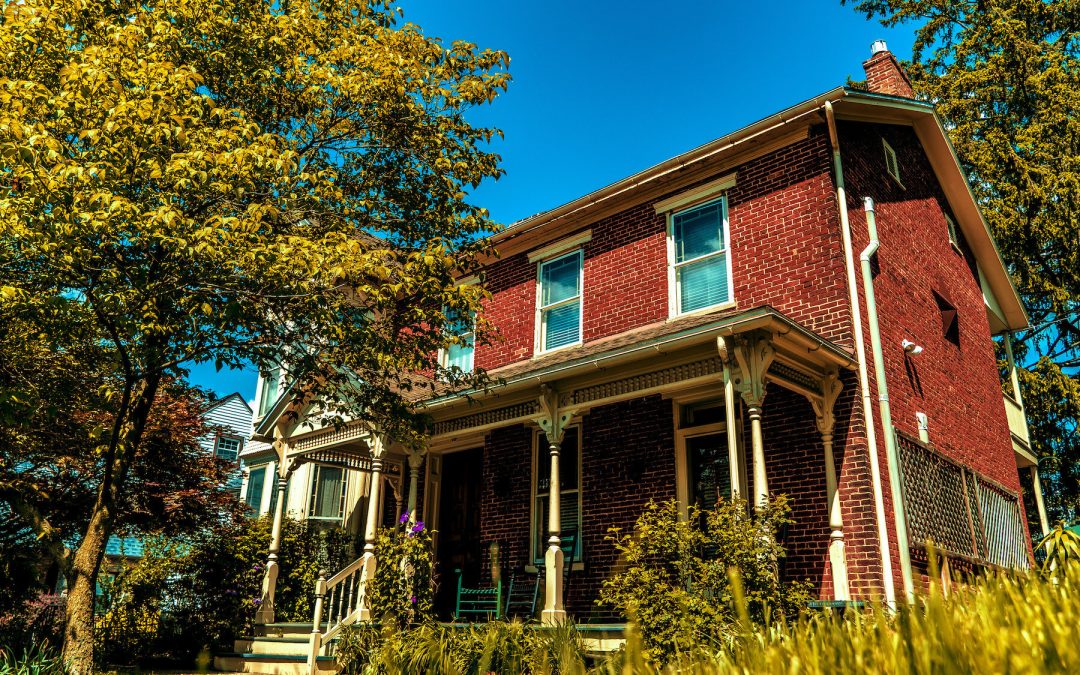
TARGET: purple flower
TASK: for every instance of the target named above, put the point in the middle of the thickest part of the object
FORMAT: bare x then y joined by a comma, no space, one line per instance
418,527
413,600
404,518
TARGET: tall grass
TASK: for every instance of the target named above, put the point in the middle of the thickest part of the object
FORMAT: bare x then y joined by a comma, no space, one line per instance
996,624
39,659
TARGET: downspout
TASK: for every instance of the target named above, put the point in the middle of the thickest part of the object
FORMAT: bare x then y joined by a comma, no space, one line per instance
891,457
860,355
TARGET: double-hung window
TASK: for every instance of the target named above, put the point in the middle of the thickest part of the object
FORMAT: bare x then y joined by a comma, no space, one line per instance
460,355
560,301
569,492
228,447
256,480
269,393
701,256
327,493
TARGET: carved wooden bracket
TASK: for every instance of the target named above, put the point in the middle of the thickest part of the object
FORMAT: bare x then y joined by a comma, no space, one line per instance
823,407
553,420
754,355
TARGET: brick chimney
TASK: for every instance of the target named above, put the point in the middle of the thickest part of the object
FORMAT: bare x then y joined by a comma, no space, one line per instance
884,74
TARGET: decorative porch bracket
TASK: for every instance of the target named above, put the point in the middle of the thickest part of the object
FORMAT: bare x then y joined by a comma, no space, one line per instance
824,406
754,354
553,422
265,613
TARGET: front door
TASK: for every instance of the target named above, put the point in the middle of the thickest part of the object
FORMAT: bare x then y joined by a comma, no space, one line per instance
459,545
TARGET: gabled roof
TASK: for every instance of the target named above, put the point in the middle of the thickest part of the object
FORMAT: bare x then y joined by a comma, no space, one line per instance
224,399
729,150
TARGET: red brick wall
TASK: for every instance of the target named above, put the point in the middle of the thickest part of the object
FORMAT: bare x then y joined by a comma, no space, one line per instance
785,245
628,459
504,502
958,387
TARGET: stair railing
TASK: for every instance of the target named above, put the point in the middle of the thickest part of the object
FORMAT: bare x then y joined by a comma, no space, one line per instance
339,601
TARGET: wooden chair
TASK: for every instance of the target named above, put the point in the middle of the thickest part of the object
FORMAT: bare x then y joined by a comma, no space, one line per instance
478,604
524,592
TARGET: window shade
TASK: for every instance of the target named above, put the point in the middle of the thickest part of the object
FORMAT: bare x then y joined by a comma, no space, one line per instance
255,488
698,232
703,283
562,325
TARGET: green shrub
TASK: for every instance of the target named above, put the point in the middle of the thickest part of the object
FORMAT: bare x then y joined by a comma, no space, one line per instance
184,597
402,594
37,659
493,647
674,579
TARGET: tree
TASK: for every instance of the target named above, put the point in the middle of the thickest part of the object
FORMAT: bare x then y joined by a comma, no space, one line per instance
1005,76
55,418
232,181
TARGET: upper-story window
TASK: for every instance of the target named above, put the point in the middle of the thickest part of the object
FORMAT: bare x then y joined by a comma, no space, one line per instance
228,447
268,394
460,355
560,301
701,257
954,239
891,165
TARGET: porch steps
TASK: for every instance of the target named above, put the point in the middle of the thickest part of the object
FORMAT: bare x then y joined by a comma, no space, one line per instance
274,649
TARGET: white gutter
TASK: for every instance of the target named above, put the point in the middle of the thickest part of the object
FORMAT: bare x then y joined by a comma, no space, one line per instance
899,517
860,357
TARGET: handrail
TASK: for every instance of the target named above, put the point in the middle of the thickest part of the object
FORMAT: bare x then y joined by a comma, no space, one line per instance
339,601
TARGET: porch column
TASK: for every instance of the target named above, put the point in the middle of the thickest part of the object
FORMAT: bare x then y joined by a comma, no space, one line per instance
378,450
553,423
265,613
1040,503
754,356
826,422
416,460
722,346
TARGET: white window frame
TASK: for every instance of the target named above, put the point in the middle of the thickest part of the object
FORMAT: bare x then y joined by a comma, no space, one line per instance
540,444
540,341
263,407
682,459
892,165
444,352
675,283
229,437
954,237
313,480
246,487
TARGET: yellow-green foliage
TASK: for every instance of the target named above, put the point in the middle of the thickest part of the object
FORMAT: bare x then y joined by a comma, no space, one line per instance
1001,624
998,624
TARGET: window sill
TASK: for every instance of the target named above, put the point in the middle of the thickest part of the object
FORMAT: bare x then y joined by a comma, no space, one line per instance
730,304
540,355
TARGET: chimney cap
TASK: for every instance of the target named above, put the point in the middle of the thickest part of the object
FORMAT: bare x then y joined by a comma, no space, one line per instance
878,47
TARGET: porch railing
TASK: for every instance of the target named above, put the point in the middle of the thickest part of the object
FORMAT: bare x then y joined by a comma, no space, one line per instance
338,601
962,512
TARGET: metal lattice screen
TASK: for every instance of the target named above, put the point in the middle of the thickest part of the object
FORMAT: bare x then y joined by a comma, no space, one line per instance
963,513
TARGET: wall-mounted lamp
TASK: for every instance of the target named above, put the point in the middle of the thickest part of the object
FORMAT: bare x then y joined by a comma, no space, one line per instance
911,348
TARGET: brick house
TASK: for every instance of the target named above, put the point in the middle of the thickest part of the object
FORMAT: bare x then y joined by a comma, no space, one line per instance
724,323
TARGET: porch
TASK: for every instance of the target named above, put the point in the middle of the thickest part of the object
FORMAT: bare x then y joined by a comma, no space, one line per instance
716,407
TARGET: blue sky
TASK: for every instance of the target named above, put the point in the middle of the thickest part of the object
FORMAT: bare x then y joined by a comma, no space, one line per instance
602,90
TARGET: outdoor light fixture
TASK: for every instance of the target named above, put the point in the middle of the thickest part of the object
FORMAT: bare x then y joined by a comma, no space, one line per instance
911,348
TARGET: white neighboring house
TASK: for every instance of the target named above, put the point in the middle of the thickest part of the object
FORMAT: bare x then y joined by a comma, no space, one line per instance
323,494
230,416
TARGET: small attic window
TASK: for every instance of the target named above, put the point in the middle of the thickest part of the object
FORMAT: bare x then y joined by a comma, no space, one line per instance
891,164
950,321
953,239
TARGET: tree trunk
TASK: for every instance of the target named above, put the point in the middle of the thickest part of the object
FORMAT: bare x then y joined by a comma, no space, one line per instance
78,651
79,612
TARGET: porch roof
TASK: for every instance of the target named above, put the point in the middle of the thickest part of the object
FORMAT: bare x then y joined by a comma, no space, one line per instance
660,337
